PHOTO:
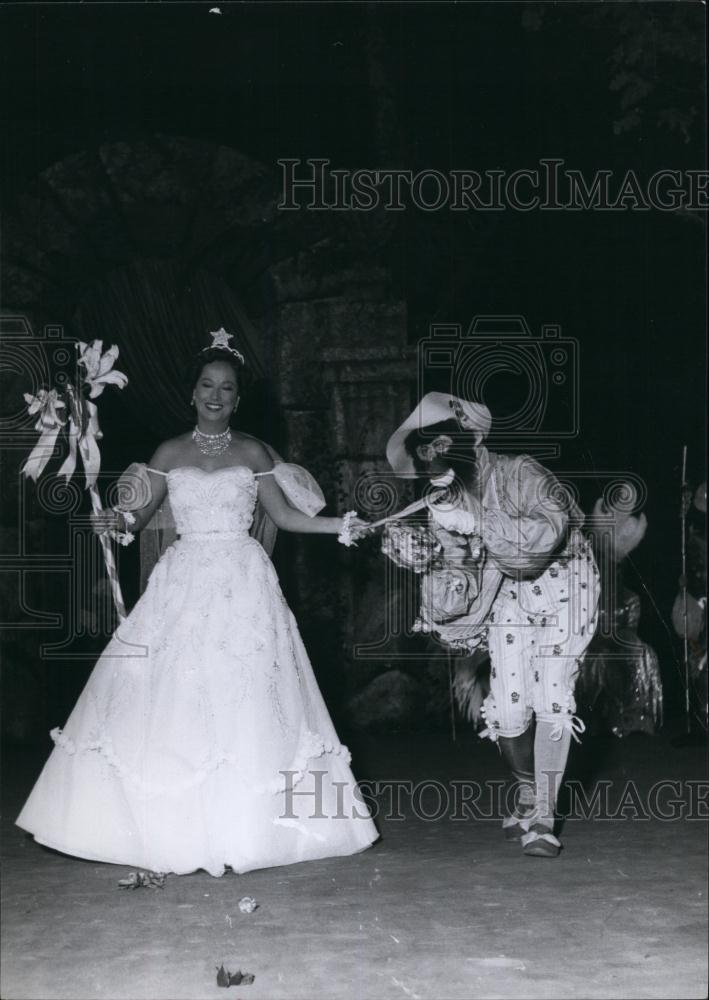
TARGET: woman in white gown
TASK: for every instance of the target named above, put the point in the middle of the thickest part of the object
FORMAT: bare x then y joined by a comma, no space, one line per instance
201,739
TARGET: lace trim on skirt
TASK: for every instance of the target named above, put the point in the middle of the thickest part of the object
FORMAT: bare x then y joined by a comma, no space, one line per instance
310,746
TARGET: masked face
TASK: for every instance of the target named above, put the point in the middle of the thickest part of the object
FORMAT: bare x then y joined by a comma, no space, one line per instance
434,453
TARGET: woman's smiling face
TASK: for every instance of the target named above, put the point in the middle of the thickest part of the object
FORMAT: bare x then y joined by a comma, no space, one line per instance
216,392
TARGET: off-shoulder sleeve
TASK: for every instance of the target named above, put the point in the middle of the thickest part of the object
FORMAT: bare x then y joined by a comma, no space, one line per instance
522,537
134,489
300,488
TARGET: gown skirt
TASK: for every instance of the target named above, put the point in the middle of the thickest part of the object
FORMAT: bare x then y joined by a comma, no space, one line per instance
201,739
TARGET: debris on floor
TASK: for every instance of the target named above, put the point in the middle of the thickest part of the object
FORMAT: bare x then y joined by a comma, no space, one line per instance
248,904
143,880
227,979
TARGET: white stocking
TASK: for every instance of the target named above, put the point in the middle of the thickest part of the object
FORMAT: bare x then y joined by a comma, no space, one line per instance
550,757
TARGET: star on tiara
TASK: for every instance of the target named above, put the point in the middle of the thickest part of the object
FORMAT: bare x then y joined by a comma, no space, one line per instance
220,340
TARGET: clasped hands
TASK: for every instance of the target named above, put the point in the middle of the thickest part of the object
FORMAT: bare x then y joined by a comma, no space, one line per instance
106,521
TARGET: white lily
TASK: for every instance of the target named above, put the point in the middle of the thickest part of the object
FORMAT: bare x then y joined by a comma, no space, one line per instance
99,367
46,403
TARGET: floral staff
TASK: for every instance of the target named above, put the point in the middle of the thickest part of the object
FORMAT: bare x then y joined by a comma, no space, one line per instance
69,410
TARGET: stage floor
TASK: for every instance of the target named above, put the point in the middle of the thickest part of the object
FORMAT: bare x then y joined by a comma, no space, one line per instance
439,908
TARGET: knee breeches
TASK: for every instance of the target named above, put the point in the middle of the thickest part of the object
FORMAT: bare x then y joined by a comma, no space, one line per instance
538,634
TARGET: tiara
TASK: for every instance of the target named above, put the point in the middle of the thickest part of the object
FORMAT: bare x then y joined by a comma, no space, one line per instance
220,340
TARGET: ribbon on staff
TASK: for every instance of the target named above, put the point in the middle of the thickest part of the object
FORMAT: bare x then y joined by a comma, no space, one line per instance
83,437
49,422
109,559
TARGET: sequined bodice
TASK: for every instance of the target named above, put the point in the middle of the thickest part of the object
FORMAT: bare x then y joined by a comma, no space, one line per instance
215,502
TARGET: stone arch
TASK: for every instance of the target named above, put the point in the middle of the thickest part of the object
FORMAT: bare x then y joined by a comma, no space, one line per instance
196,214
202,220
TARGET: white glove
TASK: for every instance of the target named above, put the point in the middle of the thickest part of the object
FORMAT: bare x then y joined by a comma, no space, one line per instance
455,519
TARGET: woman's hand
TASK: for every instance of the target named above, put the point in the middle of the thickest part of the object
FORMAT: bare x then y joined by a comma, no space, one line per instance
106,521
359,528
351,528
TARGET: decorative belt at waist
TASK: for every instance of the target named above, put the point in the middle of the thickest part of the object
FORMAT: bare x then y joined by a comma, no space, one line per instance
217,536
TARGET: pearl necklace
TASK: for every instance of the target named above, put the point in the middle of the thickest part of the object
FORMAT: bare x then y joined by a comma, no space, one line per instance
212,444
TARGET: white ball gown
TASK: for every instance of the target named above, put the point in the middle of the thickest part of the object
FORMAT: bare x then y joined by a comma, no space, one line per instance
201,739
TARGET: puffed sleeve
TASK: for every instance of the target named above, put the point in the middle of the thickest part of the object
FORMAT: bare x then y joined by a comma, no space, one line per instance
522,537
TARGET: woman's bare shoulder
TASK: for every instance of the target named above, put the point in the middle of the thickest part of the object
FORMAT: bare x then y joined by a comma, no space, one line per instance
169,452
254,451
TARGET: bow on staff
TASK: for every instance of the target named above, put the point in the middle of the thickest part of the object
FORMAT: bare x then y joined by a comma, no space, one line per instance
69,413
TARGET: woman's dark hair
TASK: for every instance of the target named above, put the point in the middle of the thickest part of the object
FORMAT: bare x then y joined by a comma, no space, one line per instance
206,358
461,455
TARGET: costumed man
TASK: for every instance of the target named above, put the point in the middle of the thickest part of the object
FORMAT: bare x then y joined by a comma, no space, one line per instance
689,612
503,564
620,680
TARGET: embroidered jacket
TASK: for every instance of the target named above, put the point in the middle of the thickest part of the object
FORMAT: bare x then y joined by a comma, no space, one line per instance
521,513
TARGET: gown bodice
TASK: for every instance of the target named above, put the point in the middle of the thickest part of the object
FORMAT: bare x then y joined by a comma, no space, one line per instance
216,503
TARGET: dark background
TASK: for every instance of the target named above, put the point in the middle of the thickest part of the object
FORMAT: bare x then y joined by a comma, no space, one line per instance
462,86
